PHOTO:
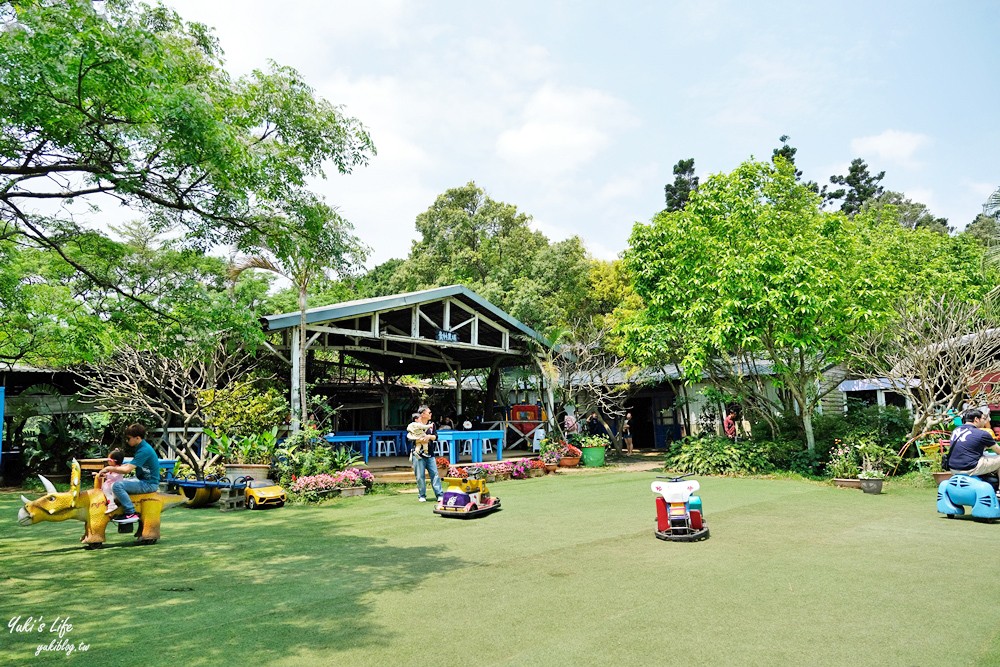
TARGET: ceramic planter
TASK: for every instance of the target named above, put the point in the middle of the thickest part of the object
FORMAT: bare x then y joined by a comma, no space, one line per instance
550,467
348,491
256,471
569,461
848,482
941,476
873,486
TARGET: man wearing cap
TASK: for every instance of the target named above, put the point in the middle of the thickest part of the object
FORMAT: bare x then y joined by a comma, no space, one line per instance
969,443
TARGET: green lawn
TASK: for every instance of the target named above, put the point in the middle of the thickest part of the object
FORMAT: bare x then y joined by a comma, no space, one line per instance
795,573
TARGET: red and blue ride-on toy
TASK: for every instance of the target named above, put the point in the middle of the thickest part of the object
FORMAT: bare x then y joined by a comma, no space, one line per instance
679,516
466,499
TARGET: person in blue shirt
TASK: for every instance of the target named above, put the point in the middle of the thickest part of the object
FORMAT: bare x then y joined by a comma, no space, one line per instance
969,443
146,466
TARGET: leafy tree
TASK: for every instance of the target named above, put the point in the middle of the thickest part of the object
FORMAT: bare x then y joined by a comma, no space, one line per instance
752,268
859,186
786,152
125,101
944,343
63,317
470,239
910,214
985,229
685,182
329,246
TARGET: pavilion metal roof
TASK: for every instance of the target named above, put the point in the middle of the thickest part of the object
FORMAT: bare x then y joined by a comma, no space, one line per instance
441,329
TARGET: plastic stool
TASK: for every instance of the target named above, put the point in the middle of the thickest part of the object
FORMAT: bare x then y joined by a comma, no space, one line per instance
385,447
442,448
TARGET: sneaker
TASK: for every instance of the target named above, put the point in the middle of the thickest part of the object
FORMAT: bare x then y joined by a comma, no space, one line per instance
128,518
423,500
111,509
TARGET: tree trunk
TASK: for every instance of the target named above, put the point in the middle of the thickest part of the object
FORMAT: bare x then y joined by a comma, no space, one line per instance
807,424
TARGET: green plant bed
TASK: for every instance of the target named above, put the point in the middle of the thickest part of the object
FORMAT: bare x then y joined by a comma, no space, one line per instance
788,577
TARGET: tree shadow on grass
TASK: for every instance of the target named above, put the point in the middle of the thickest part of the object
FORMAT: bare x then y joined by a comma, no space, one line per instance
216,588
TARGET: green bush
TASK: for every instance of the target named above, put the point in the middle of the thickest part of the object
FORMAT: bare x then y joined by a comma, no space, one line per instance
712,455
305,453
51,443
243,410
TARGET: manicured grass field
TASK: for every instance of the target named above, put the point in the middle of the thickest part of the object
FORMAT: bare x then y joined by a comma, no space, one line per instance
569,573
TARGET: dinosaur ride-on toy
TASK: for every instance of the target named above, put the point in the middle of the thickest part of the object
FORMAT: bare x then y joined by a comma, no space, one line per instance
960,490
679,516
89,506
466,499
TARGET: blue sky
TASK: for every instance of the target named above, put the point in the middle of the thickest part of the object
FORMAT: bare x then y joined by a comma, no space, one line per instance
576,112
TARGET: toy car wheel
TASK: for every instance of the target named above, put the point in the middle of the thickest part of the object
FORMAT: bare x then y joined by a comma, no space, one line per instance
251,504
280,503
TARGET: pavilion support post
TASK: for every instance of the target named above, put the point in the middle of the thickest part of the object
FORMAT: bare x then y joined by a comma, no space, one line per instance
458,391
385,405
296,408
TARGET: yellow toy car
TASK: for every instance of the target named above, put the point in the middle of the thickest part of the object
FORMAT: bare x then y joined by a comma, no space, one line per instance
265,493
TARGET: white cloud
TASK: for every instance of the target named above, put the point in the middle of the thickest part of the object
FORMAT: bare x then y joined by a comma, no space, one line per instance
562,129
892,146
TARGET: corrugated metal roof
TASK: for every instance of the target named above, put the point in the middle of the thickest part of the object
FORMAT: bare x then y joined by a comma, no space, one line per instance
360,307
875,384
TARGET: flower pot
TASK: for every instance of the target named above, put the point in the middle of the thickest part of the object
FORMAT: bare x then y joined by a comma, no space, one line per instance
536,472
569,461
848,483
253,470
593,457
873,486
348,491
550,467
941,476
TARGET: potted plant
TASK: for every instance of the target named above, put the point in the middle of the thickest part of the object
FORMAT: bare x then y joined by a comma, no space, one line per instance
593,448
249,456
875,458
570,456
354,481
312,488
550,452
443,464
843,465
933,455
537,468
871,481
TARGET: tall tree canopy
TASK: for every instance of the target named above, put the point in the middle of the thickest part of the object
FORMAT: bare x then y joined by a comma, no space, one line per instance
123,100
859,185
470,239
752,269
57,316
910,214
685,182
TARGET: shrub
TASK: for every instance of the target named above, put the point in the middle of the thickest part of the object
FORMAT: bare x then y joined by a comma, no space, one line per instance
843,463
243,410
712,455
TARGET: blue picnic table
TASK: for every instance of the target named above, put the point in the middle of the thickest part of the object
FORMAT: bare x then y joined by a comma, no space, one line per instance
364,442
397,436
477,438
